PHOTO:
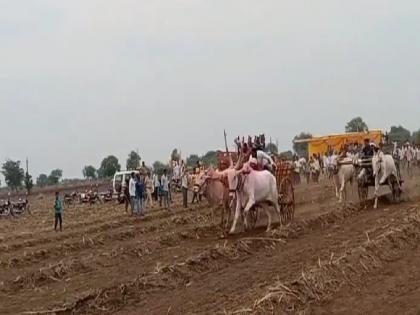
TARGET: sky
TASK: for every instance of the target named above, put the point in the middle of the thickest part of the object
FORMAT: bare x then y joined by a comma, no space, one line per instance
83,79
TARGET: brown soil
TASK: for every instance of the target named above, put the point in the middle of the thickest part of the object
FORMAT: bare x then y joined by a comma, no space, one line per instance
175,262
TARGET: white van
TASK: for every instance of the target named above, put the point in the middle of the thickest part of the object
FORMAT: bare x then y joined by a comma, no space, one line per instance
120,179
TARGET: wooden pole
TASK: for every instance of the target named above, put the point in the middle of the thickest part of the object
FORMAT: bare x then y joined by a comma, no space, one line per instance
226,145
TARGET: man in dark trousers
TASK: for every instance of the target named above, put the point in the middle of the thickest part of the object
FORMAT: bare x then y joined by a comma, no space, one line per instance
185,179
58,207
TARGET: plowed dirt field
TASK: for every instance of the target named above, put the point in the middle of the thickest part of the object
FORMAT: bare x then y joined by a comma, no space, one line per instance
333,259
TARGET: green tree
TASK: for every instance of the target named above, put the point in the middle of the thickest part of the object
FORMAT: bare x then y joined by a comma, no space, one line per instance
301,148
109,167
13,174
29,184
42,180
210,158
192,160
175,155
133,161
89,171
416,137
399,134
272,148
55,177
356,125
159,167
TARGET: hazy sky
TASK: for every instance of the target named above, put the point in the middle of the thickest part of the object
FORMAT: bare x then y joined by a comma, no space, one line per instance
83,79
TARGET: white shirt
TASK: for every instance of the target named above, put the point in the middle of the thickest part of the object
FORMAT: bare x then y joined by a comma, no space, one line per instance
132,187
298,166
315,165
401,153
156,180
184,181
165,183
409,154
177,173
325,161
263,158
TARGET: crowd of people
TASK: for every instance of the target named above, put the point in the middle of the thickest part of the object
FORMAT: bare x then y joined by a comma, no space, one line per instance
146,190
406,155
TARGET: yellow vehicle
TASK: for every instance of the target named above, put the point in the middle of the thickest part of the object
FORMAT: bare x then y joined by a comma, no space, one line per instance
335,142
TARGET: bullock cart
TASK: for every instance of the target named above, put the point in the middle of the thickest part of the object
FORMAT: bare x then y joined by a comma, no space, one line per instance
366,179
283,173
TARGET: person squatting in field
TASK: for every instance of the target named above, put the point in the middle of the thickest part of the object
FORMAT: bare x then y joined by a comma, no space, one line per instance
58,209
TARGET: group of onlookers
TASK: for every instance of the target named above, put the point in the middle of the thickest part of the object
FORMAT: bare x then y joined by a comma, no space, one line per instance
310,169
408,155
144,190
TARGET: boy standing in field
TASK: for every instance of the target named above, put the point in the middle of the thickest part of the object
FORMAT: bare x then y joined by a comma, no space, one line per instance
58,207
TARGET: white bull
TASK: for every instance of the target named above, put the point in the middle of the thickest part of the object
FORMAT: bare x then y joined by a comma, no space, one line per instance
384,169
252,188
343,170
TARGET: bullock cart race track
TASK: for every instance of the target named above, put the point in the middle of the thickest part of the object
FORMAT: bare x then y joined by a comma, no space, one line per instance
334,259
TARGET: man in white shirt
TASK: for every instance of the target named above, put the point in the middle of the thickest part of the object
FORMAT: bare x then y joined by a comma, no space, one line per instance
164,182
263,159
156,185
297,169
132,191
177,175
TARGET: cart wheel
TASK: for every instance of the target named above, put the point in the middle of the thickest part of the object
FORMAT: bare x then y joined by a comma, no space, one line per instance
287,200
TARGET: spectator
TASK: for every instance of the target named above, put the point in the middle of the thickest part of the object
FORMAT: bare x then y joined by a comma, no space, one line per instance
58,207
165,189
314,168
132,191
126,194
156,184
140,195
149,191
169,188
297,170
196,187
184,186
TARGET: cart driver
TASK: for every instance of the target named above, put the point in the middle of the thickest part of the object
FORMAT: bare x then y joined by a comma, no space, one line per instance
264,160
367,148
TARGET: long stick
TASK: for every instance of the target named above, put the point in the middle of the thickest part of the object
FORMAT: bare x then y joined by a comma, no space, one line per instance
226,145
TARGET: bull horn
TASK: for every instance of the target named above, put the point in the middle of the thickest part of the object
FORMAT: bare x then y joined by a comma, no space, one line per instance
230,161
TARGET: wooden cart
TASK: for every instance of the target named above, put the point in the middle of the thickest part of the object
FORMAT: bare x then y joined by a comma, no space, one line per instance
284,177
368,180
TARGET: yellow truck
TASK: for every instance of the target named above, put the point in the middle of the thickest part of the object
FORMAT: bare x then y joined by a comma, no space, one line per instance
335,142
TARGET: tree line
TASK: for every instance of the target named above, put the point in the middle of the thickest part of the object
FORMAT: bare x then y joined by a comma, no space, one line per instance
16,177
